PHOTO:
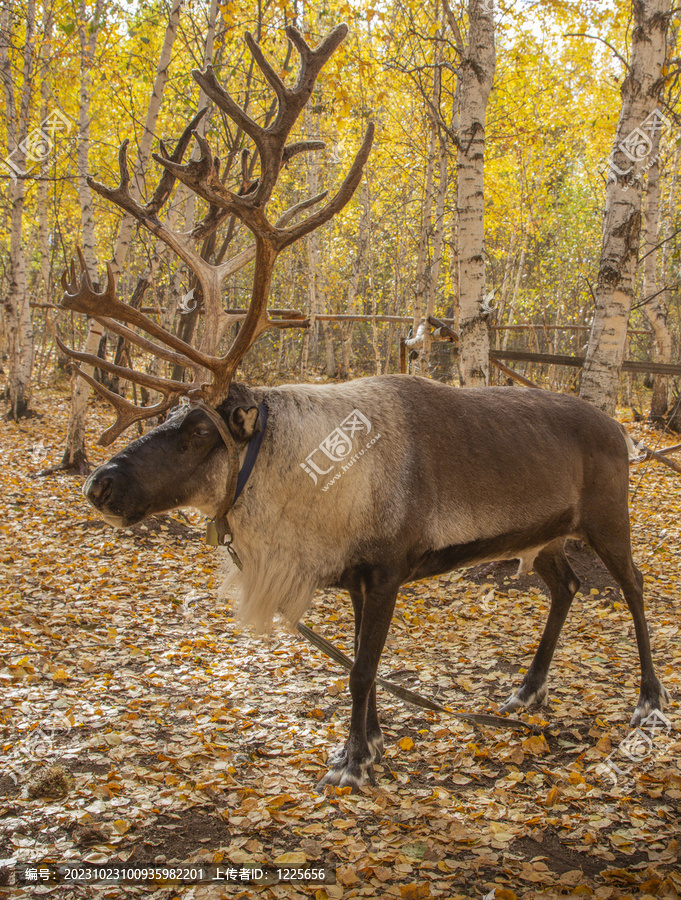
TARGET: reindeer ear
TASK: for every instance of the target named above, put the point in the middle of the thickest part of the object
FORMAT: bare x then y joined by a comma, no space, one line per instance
244,422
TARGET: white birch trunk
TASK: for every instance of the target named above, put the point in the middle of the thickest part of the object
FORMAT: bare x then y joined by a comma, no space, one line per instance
136,182
654,301
438,241
75,456
622,221
475,79
18,312
420,328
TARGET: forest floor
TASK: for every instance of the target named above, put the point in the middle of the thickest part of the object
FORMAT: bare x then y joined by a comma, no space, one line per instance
141,727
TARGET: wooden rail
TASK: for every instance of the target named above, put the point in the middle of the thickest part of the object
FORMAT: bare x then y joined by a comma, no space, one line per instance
578,361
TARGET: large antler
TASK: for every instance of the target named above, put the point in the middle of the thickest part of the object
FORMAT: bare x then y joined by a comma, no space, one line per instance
248,204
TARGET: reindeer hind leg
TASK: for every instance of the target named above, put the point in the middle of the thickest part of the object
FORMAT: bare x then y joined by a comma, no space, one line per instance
614,548
552,566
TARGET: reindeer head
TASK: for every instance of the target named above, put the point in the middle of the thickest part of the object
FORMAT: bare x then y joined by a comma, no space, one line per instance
204,427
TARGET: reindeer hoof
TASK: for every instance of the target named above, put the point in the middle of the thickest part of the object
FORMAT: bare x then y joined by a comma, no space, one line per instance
651,699
526,696
348,773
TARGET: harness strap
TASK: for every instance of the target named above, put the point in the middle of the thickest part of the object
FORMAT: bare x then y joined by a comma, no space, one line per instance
251,453
219,532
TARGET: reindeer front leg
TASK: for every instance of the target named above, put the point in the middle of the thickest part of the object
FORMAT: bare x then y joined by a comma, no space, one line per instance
374,603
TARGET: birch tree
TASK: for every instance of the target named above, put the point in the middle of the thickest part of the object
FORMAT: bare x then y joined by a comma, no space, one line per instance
475,76
422,290
74,458
653,297
18,312
638,122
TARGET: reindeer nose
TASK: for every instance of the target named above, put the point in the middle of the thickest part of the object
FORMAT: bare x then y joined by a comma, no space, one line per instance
98,489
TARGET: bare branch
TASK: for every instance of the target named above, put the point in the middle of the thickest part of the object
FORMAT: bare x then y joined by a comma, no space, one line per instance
155,349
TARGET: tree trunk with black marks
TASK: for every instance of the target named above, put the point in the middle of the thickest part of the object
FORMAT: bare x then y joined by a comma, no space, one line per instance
654,304
475,79
638,123
19,323
420,327
74,458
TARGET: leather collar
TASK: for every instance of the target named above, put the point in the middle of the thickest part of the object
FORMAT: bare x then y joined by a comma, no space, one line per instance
219,531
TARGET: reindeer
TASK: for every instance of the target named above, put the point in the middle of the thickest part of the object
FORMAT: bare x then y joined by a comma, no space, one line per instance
367,485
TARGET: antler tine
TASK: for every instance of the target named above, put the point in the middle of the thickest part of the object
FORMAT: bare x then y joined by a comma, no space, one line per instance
271,141
95,304
167,181
289,235
201,176
164,385
211,87
70,286
312,61
87,281
121,194
292,150
126,413
273,79
247,183
291,213
267,249
177,359
147,214
124,179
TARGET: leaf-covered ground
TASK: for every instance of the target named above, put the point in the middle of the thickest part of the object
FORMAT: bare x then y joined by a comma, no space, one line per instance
141,724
